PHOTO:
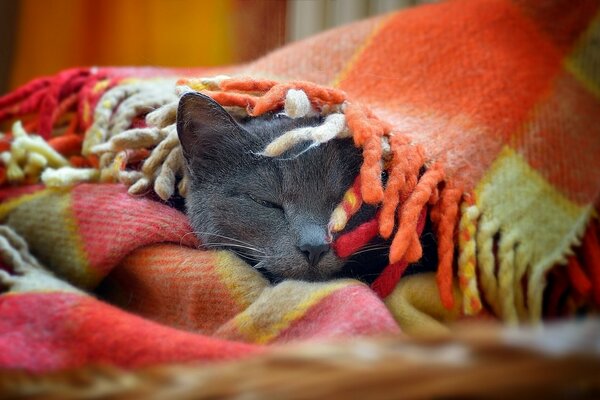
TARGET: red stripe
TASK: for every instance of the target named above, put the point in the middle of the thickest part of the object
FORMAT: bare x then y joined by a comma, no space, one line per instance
9,193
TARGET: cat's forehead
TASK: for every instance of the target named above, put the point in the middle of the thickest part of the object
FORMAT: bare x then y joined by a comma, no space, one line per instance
322,171
268,127
304,163
305,171
295,170
310,174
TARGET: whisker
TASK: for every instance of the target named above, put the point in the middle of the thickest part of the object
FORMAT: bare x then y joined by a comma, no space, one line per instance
265,257
217,235
184,236
374,245
369,275
369,250
214,245
253,257
222,236
373,249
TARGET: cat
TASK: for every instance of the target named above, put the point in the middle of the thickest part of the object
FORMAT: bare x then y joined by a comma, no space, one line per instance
272,212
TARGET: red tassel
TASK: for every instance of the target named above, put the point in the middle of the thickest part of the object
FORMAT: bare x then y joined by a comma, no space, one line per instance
349,243
66,83
24,91
591,254
578,278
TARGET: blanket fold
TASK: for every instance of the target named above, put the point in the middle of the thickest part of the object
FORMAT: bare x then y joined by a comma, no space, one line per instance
190,298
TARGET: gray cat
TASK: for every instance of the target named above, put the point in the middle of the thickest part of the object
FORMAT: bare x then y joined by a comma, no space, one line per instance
273,212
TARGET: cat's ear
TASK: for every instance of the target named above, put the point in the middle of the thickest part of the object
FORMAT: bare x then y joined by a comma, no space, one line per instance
207,133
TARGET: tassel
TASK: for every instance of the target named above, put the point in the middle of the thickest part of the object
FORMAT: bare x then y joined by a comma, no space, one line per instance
447,211
467,260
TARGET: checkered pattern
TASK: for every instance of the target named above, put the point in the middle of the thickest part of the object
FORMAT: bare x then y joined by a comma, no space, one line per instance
505,95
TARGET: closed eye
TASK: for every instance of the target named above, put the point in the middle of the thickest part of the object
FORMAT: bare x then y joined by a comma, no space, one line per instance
265,203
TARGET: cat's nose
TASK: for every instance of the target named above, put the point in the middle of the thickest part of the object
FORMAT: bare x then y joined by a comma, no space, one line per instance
314,252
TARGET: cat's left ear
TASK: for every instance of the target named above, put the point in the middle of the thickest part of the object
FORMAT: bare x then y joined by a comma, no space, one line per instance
207,133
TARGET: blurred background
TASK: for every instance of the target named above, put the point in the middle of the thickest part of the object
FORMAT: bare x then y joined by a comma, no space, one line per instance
41,37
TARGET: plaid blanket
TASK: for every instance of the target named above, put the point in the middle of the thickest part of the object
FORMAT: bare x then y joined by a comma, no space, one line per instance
498,99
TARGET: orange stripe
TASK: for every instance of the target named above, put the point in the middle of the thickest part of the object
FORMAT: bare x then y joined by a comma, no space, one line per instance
456,67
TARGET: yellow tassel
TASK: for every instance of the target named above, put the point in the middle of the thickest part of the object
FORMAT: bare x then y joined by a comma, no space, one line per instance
467,260
487,261
506,276
67,176
521,263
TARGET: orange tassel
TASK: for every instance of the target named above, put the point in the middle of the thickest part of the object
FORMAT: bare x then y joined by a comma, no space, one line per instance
358,122
413,159
370,172
320,95
227,99
271,100
247,85
414,251
446,218
395,183
66,144
93,160
79,162
410,210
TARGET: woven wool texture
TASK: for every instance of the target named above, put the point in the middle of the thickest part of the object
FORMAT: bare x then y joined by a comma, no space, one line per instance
499,99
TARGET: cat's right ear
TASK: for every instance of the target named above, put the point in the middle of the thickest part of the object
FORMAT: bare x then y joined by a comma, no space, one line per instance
207,133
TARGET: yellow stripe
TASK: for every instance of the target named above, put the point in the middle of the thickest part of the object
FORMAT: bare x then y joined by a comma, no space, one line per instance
6,208
467,261
517,203
244,283
351,199
584,61
359,51
509,156
248,324
585,81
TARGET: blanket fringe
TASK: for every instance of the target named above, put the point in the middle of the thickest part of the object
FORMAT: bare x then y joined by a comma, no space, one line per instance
20,271
499,267
467,259
444,216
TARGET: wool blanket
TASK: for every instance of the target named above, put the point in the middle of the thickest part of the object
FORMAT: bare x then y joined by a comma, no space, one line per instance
483,114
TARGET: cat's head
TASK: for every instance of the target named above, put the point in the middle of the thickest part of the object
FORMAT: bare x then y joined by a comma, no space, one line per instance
271,211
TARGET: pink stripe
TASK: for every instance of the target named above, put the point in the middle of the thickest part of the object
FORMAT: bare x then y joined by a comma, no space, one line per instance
112,223
350,311
43,332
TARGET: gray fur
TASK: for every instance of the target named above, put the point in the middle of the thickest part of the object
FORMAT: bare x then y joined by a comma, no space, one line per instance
276,206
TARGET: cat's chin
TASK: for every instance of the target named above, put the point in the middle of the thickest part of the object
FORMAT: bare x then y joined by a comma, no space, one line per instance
308,274
275,279
296,267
